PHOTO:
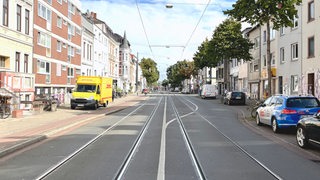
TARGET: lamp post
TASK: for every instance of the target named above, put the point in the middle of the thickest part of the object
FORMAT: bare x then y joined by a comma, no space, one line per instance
137,72
169,6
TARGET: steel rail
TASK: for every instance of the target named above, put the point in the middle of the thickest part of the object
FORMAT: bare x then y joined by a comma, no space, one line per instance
125,164
192,153
237,144
68,158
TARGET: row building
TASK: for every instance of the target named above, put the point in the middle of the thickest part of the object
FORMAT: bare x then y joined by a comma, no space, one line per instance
295,58
46,44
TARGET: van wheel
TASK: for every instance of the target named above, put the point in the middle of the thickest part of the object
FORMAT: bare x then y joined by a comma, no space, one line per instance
95,106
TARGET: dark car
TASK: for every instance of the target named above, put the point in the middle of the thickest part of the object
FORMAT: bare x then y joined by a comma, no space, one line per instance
308,130
282,111
235,97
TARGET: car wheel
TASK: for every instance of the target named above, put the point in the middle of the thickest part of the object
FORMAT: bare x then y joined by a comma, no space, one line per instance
274,124
301,137
258,120
73,107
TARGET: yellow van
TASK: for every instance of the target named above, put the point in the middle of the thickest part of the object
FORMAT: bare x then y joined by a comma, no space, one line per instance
92,91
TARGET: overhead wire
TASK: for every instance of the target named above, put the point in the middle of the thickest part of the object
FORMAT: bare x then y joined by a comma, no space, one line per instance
195,28
144,29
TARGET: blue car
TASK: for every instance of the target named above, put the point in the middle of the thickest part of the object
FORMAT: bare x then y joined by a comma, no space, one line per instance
281,111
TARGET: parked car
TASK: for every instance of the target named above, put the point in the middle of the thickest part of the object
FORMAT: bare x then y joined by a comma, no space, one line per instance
145,91
281,111
308,130
235,97
209,91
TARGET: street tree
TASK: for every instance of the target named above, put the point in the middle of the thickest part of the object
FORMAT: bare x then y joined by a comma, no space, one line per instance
149,71
228,43
180,71
165,83
204,58
279,13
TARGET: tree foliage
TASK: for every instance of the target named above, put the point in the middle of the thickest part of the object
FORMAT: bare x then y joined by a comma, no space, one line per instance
180,71
149,70
278,12
204,58
228,42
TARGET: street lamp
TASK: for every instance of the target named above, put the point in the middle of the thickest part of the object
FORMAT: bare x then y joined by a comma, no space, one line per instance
169,6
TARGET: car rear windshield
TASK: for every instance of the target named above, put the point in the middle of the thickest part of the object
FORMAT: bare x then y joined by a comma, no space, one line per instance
237,94
303,102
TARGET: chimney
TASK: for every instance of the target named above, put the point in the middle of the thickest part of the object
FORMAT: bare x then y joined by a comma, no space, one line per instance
93,15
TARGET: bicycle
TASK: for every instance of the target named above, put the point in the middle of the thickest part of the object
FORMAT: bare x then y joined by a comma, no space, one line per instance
253,108
5,111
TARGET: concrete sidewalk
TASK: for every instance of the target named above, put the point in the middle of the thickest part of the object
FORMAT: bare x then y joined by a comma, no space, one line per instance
17,133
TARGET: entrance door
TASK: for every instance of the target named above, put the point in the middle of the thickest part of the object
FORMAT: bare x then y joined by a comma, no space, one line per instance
311,83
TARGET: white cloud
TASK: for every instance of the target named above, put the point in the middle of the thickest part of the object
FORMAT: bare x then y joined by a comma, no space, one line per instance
164,27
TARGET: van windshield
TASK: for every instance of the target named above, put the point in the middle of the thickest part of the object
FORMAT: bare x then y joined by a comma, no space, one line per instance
85,88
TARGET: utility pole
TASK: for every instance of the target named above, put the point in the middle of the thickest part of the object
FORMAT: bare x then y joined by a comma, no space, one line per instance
137,71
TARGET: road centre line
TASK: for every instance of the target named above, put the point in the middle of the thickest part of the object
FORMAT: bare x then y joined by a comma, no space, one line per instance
162,156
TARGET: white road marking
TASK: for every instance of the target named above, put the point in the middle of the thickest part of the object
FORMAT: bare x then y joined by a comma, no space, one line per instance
162,157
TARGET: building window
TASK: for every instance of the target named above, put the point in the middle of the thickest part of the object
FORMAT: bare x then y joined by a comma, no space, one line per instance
59,46
255,67
264,36
5,12
70,51
256,42
59,22
44,12
273,59
70,72
311,11
272,33
59,1
2,62
264,61
27,21
282,31
43,67
295,22
44,40
84,50
282,60
90,58
310,47
294,83
18,18
294,51
17,64
26,63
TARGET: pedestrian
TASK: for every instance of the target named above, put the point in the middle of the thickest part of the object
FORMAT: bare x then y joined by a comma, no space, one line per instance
225,92
113,94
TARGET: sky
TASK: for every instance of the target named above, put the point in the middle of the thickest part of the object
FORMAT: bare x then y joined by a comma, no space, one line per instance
166,35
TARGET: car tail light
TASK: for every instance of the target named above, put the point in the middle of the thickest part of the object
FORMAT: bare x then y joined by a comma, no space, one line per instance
288,111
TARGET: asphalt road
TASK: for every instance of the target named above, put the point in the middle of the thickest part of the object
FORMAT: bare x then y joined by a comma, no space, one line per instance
166,137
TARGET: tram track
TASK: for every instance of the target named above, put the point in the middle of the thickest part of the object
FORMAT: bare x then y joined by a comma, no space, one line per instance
192,153
125,163
237,145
